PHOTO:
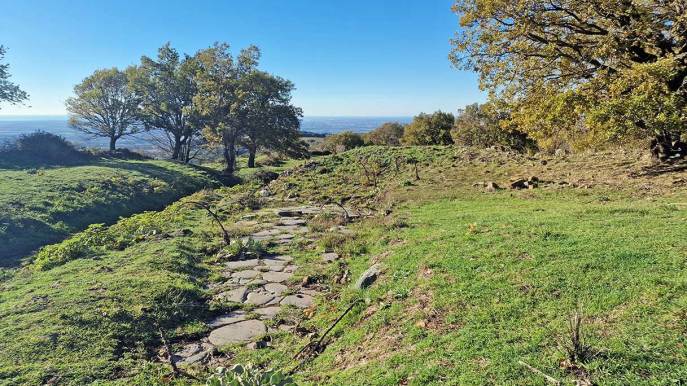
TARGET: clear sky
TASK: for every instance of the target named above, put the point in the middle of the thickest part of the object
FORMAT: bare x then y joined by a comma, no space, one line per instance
346,58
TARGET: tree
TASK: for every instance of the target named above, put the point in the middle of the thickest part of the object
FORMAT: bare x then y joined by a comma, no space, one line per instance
166,88
273,122
580,71
482,126
343,141
9,92
429,129
388,134
221,100
105,105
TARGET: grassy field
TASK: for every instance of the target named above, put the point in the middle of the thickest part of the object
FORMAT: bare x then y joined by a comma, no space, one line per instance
42,206
473,282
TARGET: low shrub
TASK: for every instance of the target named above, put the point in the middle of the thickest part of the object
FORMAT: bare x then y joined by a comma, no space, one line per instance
41,148
388,134
347,140
248,375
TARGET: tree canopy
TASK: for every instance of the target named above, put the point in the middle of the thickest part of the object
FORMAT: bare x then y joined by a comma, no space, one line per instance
9,92
430,129
166,88
580,71
388,134
105,105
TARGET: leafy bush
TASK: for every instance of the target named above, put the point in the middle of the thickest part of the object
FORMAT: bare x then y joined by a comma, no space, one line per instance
430,129
343,141
41,148
480,125
248,376
388,134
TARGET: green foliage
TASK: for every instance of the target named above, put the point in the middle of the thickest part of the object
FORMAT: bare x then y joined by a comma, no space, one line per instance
580,73
429,129
40,148
43,206
105,105
344,141
388,134
248,375
9,92
481,126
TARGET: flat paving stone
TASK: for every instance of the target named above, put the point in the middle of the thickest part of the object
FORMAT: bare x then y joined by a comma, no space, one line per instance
268,312
193,353
259,298
275,288
266,233
236,295
277,277
290,268
285,258
298,300
237,333
230,318
247,274
291,221
242,264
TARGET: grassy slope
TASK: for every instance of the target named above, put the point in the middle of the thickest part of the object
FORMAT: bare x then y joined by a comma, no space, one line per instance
38,207
473,284
478,282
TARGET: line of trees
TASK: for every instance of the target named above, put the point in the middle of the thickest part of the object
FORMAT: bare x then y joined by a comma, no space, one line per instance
211,97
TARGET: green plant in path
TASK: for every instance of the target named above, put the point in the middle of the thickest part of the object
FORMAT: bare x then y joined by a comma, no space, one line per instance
248,375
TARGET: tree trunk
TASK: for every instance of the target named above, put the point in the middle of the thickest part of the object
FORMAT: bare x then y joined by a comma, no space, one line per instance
177,147
251,156
113,140
229,141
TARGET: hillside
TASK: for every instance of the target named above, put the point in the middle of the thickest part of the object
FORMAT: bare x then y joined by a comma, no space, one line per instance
44,205
472,281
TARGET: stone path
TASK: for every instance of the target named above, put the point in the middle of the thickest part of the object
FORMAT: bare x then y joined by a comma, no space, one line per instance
261,284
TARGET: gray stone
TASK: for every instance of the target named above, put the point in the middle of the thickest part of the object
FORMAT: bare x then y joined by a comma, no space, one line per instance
258,298
276,268
247,274
329,257
237,332
368,277
230,318
193,353
268,312
298,300
275,288
285,258
290,268
291,221
288,212
285,236
277,277
266,233
242,264
236,295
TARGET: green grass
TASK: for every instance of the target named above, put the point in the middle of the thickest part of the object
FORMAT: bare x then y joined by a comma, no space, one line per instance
42,206
472,282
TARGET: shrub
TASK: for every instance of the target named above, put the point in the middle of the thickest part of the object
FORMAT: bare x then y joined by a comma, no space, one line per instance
42,148
429,129
480,125
248,376
343,141
388,134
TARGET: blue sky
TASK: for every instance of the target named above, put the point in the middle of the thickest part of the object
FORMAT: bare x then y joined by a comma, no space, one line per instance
347,58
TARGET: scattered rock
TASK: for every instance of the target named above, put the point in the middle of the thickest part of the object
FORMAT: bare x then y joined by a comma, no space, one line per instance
237,332
193,353
258,298
275,288
298,300
291,221
329,257
242,264
277,277
247,274
288,213
236,295
264,193
491,187
268,312
230,318
522,183
368,277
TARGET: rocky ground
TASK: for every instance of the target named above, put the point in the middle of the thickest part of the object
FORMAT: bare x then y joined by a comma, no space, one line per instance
261,284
